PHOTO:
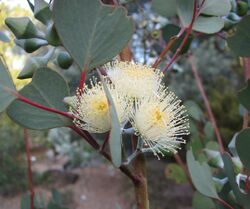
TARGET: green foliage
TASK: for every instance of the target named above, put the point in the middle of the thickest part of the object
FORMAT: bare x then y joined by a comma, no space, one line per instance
239,42
6,84
212,11
32,44
47,88
103,23
56,201
175,172
194,110
201,176
171,30
242,198
165,8
42,11
243,147
115,132
202,202
244,96
22,27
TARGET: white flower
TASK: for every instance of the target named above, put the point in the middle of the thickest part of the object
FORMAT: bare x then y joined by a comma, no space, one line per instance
135,80
161,122
91,110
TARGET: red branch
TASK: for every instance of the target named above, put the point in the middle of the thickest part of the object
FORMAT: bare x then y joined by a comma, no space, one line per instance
34,104
188,32
27,147
168,47
225,203
83,77
86,136
206,101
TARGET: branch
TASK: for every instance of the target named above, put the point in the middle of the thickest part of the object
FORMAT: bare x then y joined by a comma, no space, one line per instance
169,45
31,189
83,77
206,101
96,146
225,203
34,104
188,32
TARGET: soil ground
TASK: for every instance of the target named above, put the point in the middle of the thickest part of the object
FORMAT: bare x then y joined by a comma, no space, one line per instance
103,187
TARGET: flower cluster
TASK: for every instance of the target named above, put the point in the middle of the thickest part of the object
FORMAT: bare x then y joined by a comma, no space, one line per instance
140,99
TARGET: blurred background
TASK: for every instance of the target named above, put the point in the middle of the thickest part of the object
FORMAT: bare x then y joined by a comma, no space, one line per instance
62,161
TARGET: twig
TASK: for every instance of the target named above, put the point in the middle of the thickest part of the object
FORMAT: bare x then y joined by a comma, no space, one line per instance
27,147
188,32
206,101
86,136
83,77
96,146
34,104
225,203
169,45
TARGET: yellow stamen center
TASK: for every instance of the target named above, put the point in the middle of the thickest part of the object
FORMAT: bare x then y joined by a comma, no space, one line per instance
101,106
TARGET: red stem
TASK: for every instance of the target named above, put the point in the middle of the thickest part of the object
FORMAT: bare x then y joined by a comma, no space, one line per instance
168,47
31,189
188,32
34,104
83,78
86,136
96,146
206,101
225,203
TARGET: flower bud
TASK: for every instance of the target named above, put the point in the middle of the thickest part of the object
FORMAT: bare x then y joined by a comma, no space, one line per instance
32,44
23,28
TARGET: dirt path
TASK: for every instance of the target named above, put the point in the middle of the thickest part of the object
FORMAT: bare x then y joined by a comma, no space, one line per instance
99,187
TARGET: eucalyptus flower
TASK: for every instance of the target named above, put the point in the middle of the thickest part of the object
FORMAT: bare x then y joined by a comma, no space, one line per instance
135,80
160,121
91,109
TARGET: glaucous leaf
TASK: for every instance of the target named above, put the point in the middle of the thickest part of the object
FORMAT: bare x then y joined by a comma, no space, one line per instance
201,176
5,83
239,42
216,8
244,95
47,88
243,147
171,30
42,11
202,202
166,8
242,198
194,110
93,33
23,27
175,172
208,25
115,132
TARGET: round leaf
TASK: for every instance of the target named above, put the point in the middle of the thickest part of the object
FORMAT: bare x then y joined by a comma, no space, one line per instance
93,33
239,42
47,88
5,82
166,8
243,147
201,176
